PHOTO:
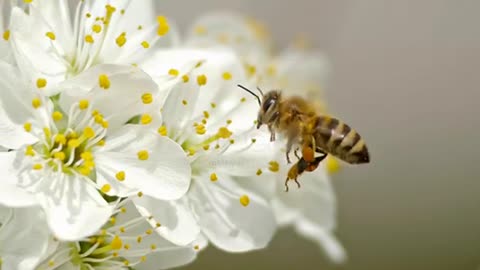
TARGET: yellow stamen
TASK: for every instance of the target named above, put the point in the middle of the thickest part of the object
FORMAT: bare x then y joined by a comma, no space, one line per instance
88,132
213,177
37,166
50,35
146,119
89,39
116,243
163,130
27,126
57,116
106,188
227,76
173,72
145,44
6,35
36,102
29,151
224,133
259,172
121,39
104,81
184,102
163,26
245,200
41,83
274,166
83,104
185,78
147,98
143,155
60,156
201,80
120,176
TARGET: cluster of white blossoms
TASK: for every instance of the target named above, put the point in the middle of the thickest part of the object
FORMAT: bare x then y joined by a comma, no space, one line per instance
124,147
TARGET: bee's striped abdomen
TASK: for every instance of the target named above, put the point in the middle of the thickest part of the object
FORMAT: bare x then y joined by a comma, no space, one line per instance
338,139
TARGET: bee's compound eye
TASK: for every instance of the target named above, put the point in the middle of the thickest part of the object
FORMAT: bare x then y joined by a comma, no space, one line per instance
268,103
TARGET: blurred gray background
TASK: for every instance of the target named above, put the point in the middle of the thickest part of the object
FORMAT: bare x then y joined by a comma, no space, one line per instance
406,74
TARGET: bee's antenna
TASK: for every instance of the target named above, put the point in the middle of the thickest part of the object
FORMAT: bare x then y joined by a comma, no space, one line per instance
255,95
260,90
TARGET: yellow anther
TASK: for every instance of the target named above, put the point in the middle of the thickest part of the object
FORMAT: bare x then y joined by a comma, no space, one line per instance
27,1
148,232
200,30
200,129
123,209
110,9
29,151
87,156
113,220
89,39
213,177
51,263
104,81
271,70
36,102
85,171
41,83
201,80
213,105
232,141
273,166
83,104
37,166
88,132
228,121
101,143
145,44
122,11
116,243
73,143
259,172
251,70
243,99
106,188
60,156
254,140
120,176
6,35
142,155
143,258
88,15
185,78
140,194
147,98
163,130
115,254
121,39
122,229
224,133
206,114
139,239
153,246
50,35
60,139
57,116
244,200
227,76
27,126
163,26
332,165
146,119
206,147
140,27
184,102
191,152
158,225
204,121
173,72
126,262
97,28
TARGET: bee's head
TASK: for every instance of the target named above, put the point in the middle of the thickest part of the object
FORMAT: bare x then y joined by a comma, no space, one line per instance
268,112
269,103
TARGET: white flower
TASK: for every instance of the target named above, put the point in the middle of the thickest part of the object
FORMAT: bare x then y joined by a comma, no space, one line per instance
50,45
23,238
5,49
127,241
68,148
213,120
311,209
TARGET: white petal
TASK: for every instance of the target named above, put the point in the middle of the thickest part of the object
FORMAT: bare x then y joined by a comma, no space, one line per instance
78,213
23,238
127,85
168,258
165,175
178,223
14,108
225,221
315,199
34,53
247,38
324,239
11,194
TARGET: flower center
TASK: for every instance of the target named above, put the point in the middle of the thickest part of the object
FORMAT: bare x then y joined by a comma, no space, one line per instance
67,143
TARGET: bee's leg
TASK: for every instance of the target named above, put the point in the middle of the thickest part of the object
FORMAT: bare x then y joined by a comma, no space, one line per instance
307,153
289,148
296,152
296,170
272,133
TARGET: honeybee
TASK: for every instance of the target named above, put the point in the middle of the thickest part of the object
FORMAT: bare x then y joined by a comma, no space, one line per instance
317,135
